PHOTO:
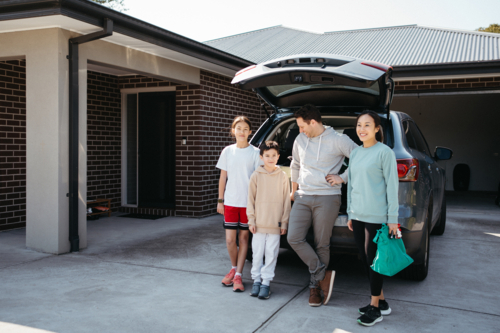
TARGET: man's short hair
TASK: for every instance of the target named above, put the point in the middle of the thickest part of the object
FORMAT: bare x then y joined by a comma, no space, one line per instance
268,145
308,112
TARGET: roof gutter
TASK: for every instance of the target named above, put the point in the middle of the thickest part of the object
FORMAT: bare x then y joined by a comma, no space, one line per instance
447,69
74,90
93,13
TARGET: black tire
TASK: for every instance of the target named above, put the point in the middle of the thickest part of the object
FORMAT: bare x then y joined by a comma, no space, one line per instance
441,224
249,254
249,251
418,272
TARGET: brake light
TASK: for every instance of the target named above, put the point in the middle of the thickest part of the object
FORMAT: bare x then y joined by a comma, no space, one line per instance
408,169
246,70
377,65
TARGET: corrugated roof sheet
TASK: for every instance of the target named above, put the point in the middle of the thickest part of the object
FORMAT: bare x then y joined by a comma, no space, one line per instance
396,46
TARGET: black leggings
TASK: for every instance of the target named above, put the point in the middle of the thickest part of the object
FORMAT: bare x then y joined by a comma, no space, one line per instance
363,235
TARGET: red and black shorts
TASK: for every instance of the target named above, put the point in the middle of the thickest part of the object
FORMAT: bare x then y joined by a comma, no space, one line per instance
235,218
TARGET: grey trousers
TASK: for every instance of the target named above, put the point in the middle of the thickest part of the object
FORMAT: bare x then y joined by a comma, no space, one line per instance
320,211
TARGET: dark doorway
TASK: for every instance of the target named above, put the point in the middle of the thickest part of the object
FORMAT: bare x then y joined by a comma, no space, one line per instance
156,143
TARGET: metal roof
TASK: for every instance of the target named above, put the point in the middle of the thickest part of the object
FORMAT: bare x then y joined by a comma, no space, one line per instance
408,45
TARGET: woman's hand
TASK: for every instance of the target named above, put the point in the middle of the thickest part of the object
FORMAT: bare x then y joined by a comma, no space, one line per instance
349,225
220,208
394,230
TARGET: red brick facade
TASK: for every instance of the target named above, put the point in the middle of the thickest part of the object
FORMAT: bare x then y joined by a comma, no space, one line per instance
203,116
220,103
12,144
484,82
103,138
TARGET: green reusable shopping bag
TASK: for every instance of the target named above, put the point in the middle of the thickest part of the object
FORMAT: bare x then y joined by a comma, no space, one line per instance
391,257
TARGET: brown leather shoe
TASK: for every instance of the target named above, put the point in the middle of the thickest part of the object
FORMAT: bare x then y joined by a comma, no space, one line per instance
315,297
326,285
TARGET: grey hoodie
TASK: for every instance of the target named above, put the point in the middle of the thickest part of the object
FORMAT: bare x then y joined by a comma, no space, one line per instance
314,159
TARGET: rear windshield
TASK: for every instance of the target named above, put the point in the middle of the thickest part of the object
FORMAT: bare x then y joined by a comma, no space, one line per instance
288,89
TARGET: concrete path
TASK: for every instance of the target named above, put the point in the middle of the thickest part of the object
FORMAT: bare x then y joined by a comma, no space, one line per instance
164,276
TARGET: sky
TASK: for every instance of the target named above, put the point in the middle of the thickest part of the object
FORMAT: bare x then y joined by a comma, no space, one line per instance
207,20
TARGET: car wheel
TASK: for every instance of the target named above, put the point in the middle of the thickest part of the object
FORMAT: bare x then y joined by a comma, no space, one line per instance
418,272
249,251
249,254
441,224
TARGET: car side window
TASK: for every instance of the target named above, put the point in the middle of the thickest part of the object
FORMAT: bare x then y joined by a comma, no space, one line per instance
419,139
409,136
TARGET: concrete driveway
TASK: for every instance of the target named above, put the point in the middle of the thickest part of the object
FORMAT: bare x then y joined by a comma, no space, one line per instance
164,276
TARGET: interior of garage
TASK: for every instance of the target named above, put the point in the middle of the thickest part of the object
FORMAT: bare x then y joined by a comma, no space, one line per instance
465,122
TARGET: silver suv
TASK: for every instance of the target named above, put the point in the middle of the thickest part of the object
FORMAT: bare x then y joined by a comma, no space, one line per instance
342,87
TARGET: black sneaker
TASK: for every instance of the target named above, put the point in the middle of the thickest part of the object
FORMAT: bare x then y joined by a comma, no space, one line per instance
382,305
371,317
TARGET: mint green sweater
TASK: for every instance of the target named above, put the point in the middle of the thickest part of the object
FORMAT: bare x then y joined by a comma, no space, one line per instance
372,187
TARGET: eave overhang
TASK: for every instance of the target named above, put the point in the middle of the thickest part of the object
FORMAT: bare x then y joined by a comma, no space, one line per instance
447,70
94,14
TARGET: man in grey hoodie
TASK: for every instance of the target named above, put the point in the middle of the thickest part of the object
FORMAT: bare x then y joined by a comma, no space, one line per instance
318,154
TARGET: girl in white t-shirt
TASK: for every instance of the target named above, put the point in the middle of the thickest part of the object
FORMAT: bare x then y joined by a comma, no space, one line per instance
237,162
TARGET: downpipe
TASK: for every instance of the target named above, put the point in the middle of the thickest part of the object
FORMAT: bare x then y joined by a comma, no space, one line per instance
74,88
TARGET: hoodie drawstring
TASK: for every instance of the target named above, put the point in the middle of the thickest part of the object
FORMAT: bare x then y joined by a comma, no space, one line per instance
317,156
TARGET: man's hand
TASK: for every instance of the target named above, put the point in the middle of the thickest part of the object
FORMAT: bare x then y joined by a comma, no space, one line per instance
220,208
283,232
291,196
252,229
334,179
349,225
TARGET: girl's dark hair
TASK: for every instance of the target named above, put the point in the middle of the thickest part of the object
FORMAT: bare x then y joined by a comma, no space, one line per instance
238,119
379,136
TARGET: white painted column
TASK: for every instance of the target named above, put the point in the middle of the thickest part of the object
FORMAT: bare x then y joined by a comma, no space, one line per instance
47,124
47,143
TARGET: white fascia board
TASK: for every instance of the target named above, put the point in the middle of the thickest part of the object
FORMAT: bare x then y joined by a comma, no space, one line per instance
445,77
64,22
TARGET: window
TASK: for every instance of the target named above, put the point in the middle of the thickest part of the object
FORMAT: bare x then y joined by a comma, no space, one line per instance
409,137
419,139
287,89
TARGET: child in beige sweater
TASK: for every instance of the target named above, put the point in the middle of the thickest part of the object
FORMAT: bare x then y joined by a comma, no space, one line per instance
268,210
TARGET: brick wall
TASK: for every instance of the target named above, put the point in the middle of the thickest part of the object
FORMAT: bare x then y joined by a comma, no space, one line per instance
103,138
220,103
203,116
12,144
484,82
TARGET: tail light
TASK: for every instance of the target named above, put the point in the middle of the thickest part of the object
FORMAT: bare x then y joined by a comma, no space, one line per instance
408,169
246,69
377,65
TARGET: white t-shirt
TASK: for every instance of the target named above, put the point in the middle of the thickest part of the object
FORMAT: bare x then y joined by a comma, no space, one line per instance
239,163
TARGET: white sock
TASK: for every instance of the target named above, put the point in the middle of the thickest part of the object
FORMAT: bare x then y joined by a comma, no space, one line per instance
238,274
266,282
234,267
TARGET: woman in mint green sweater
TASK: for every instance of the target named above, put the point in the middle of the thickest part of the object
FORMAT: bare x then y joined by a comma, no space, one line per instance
372,199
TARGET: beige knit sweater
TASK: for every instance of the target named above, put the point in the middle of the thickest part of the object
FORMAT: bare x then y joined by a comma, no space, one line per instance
269,203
